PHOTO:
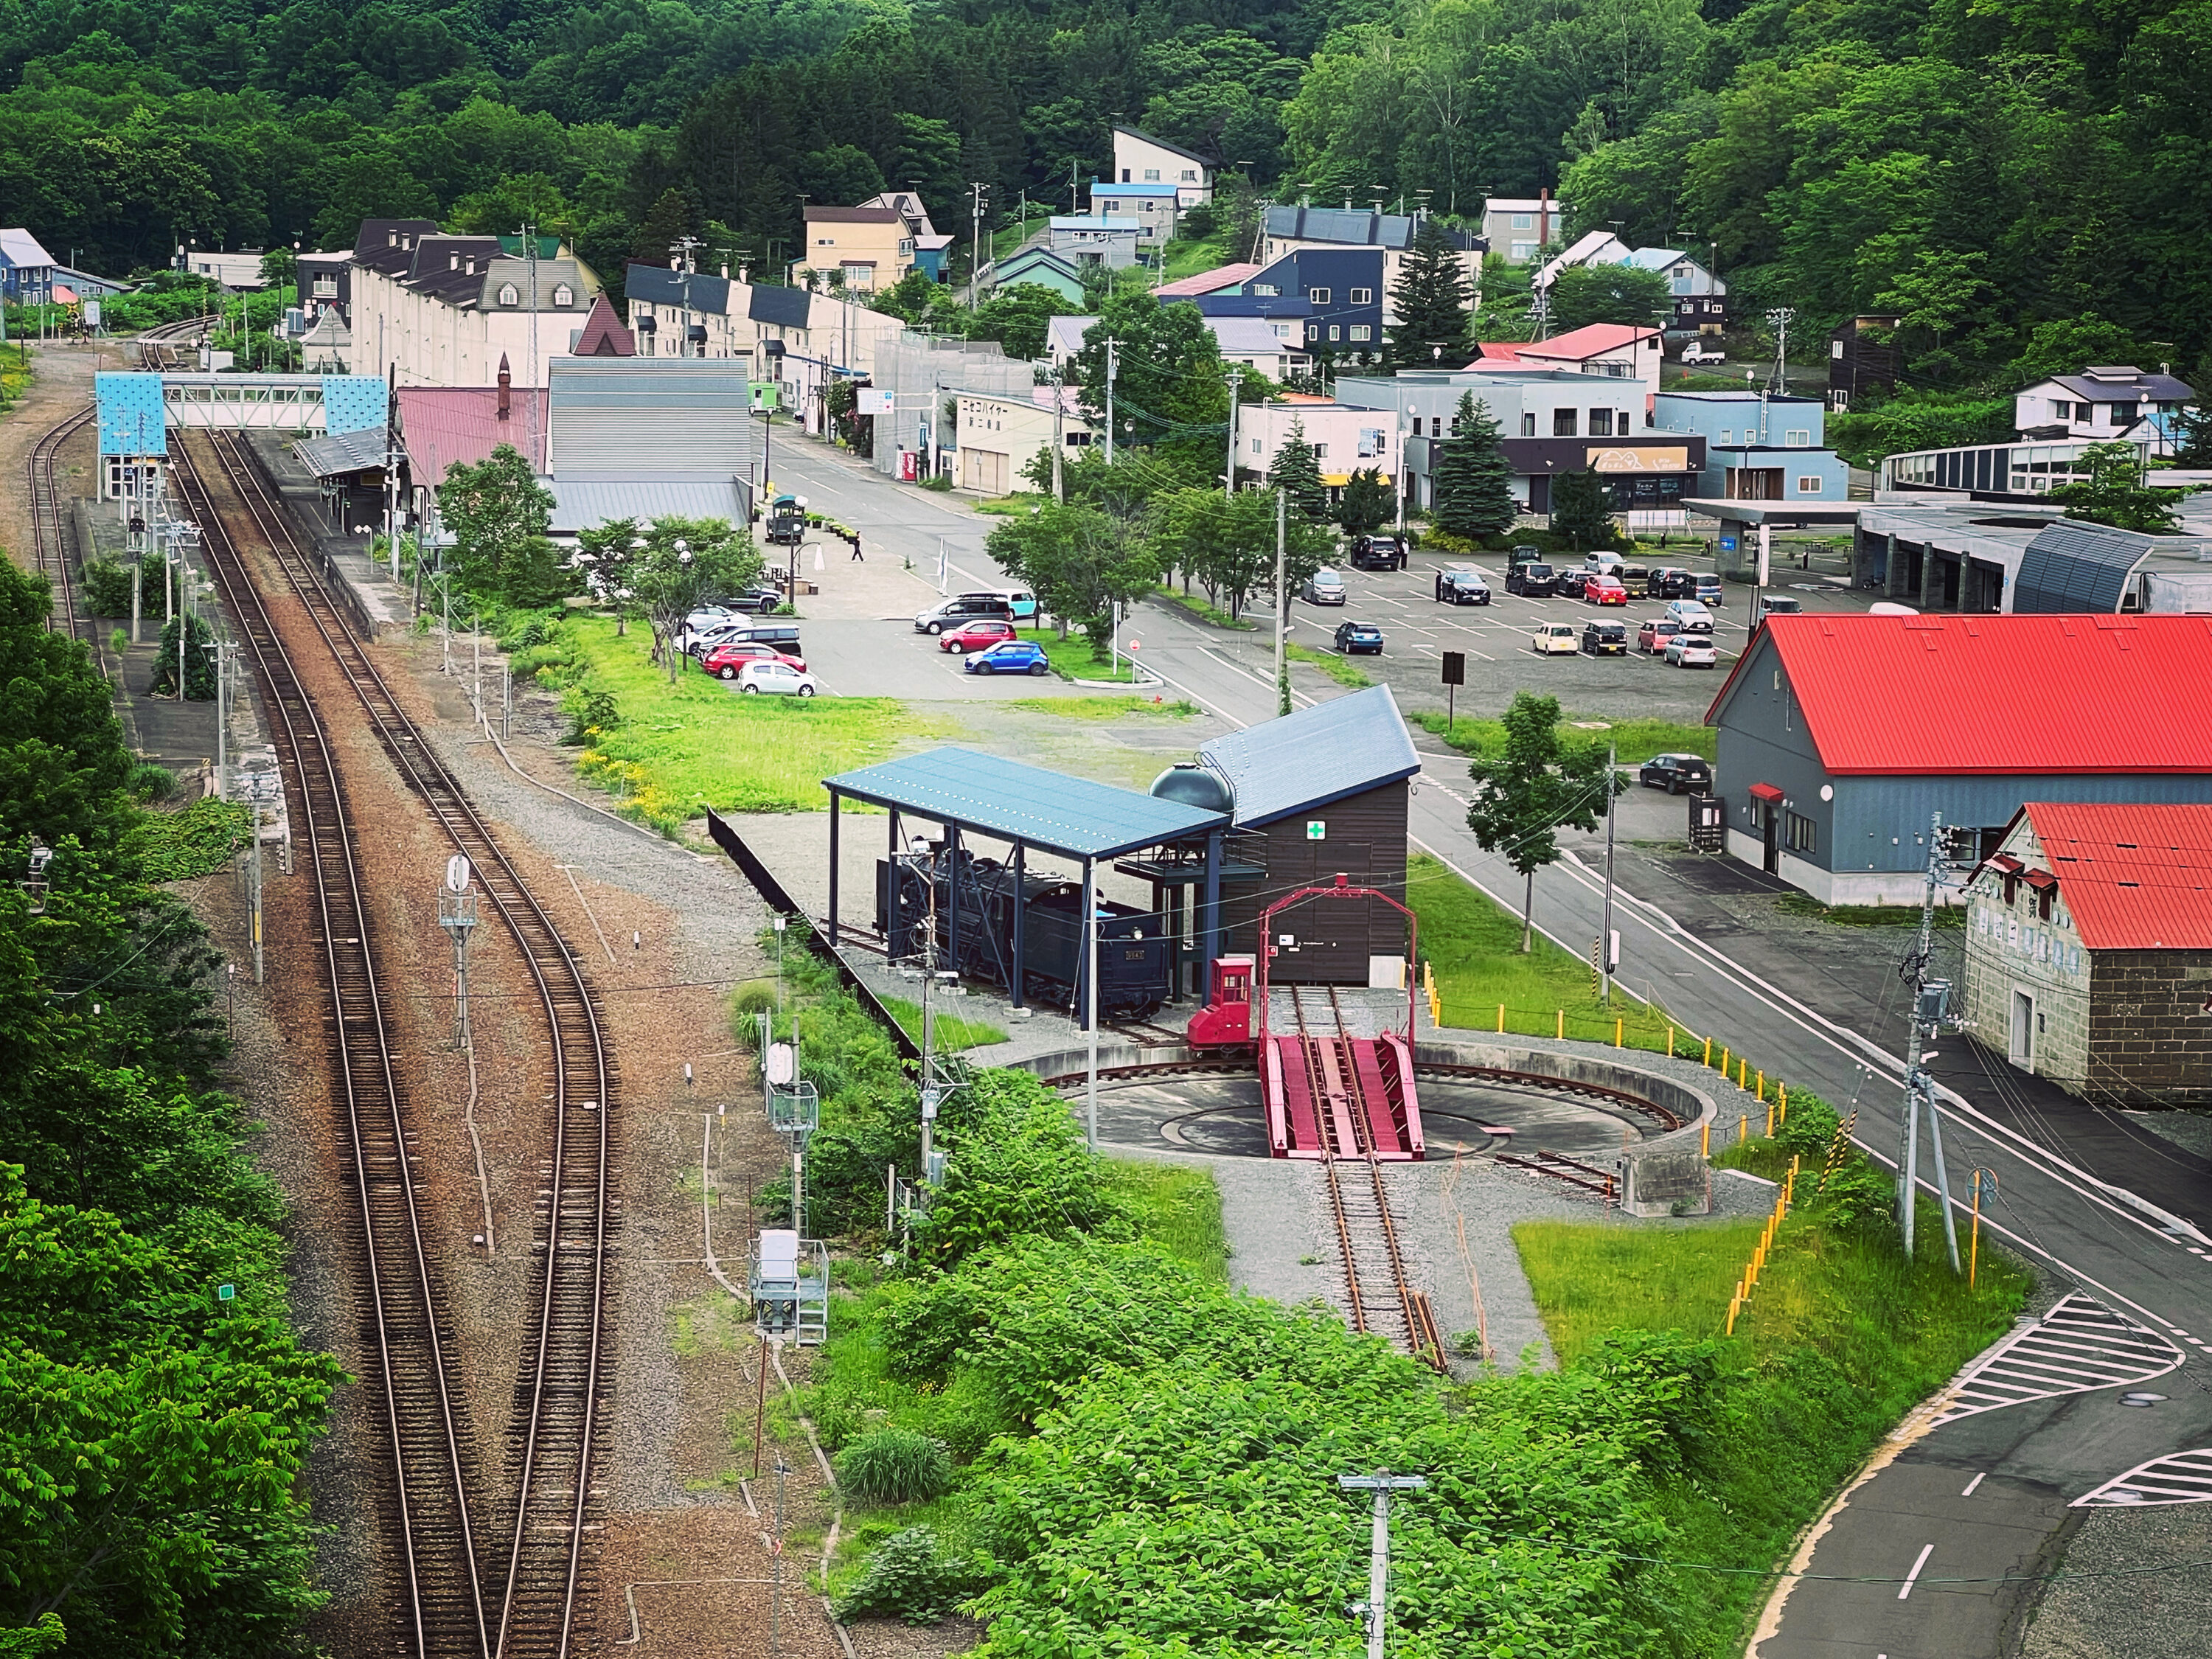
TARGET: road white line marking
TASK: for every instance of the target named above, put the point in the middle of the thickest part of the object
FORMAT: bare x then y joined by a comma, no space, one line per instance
1906,1588
2177,1478
1973,1483
2079,1347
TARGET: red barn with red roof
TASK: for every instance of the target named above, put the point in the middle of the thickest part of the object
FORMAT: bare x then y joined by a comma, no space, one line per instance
1840,736
2089,950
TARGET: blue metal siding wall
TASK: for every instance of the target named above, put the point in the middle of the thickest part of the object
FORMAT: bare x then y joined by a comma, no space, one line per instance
133,419
1763,739
1871,810
353,402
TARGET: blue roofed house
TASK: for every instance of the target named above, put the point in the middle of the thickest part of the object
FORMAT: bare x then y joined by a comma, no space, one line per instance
1289,230
27,269
1698,297
1342,285
1757,447
1152,206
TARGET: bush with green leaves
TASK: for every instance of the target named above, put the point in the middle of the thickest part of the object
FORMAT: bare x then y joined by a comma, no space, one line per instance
1017,1167
108,589
908,1577
894,1466
1810,1128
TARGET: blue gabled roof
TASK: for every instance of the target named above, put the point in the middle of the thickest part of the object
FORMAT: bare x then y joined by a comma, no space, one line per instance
1009,800
1343,747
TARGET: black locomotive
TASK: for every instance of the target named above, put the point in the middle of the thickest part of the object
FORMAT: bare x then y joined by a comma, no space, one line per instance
976,898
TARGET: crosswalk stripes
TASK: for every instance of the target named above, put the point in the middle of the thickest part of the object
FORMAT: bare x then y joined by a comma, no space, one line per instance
2079,1346
2177,1478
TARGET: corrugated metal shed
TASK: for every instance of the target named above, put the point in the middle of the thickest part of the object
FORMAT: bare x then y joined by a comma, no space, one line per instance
2073,567
580,504
1302,761
341,452
1982,695
2135,878
1014,802
625,416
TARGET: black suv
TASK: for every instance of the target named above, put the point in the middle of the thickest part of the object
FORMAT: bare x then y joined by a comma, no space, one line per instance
1570,581
1676,774
1605,639
1377,553
1673,583
1461,587
1535,581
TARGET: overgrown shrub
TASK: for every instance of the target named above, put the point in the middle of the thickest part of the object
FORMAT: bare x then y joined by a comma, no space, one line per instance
1017,1166
894,1466
150,783
908,1577
108,589
1809,1128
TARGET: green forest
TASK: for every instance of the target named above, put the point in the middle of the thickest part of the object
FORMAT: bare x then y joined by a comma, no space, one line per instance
1980,167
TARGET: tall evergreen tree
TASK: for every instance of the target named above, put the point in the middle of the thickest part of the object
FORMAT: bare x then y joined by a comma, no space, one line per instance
1297,470
1431,302
1474,480
1580,512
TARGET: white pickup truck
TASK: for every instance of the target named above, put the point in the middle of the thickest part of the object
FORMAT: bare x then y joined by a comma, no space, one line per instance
1704,351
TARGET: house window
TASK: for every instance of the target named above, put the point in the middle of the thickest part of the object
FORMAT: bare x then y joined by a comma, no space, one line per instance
1798,437
1335,332
1522,220
1362,296
906,245
509,295
1728,436
1523,250
1801,834
1808,486
1563,423
2061,409
1601,423
1362,331
1152,176
1255,445
1266,291
1190,175
1417,426
327,288
1682,285
1321,452
1318,295
1529,424
563,296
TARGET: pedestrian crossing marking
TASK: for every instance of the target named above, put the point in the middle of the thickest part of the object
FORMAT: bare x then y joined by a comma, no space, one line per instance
2077,1348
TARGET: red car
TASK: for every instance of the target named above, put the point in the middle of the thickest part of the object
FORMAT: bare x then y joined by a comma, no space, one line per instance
725,660
978,635
1604,590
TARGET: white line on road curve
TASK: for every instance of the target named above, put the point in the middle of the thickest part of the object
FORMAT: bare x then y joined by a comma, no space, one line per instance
1906,1588
1973,1483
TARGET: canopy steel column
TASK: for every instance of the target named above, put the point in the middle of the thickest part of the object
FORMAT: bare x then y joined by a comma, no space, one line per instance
834,801
891,894
1014,990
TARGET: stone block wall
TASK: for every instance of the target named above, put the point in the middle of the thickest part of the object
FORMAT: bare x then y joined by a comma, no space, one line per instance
2150,1044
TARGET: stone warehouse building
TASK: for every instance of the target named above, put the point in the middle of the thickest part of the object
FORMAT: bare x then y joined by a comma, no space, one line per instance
2089,950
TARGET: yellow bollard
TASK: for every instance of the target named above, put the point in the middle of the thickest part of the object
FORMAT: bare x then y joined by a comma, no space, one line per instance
1617,1025
1501,1019
1782,1094
1705,1142
1563,1025
1770,1120
1670,1042
1974,1248
1762,1085
1742,1071
1709,1051
1724,1060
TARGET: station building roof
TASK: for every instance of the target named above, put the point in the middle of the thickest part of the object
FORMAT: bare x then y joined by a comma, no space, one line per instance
1325,753
1013,802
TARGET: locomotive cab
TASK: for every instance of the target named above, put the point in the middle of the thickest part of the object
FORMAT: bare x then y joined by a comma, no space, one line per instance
1226,1021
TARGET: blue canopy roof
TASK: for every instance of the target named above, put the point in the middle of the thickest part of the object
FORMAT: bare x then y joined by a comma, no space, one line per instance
1013,802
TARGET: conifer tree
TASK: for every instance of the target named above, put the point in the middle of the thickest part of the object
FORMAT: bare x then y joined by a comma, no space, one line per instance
1474,480
1581,515
1297,470
1431,303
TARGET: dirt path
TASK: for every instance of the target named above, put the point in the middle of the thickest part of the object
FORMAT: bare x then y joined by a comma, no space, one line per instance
61,384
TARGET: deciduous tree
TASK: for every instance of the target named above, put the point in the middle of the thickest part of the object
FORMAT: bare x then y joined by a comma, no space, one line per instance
1535,788
683,563
1079,561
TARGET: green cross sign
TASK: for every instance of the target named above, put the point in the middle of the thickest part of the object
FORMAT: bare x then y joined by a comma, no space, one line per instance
225,1292
1316,830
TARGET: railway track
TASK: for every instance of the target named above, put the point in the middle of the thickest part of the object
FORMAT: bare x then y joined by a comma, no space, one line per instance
51,538
1380,1294
528,1595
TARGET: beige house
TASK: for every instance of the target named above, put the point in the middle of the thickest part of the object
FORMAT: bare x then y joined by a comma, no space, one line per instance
868,248
1000,435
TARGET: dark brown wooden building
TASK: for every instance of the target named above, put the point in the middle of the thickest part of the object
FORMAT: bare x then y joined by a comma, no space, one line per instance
1318,793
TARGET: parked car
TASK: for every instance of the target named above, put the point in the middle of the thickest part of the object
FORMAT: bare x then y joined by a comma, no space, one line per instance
728,661
761,601
1689,617
962,608
1324,586
1531,578
703,640
1652,637
1009,657
1602,564
1704,351
776,676
1775,604
1676,774
1605,639
1673,582
709,616
1706,589
1461,584
1354,638
1570,581
1637,579
1378,553
783,636
1556,640
975,635
1604,590
1688,650
1021,602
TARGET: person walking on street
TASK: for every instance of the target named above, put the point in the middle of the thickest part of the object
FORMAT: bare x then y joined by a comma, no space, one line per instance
856,549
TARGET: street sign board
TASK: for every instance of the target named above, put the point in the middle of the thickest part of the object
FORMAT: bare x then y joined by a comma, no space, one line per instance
780,1068
875,400
1454,668
1316,830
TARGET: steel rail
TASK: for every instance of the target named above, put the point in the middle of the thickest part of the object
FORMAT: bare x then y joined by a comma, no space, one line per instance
564,1355
404,1310
50,533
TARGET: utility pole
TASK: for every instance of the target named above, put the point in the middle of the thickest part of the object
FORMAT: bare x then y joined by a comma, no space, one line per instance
1229,479
392,464
1779,319
975,240
1282,605
1112,367
1930,1014
681,247
1058,440
1374,1612
1606,963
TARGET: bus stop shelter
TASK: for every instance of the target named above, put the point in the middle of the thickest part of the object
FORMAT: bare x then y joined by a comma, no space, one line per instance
1025,807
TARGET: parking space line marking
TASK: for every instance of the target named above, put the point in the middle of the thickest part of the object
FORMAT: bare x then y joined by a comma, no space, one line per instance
1906,1588
1973,1483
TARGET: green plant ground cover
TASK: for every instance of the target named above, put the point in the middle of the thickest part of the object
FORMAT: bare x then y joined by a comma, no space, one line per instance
698,743
1841,1338
197,840
1071,657
1474,947
1177,1208
1635,741
1191,256
1212,614
1867,915
1339,669
1104,709
954,1032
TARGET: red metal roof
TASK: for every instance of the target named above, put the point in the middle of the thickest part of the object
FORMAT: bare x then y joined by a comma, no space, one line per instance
1765,791
445,424
1984,694
1207,281
2135,878
1589,340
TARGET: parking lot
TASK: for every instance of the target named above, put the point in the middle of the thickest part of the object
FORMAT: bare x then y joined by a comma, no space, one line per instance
1495,638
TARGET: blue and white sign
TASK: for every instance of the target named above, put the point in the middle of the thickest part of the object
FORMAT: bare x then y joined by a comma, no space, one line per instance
1727,543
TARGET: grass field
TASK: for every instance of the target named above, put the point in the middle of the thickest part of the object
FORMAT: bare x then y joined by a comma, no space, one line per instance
1634,740
1104,709
1842,1337
1178,1208
1338,668
1071,657
1195,604
954,1032
1475,948
698,744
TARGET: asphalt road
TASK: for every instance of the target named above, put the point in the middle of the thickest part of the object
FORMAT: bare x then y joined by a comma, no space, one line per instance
2077,1197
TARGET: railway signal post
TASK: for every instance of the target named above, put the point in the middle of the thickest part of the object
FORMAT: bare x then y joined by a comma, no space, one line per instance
1374,1610
457,914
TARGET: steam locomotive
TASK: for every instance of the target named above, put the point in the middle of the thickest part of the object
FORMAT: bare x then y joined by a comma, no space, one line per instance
976,899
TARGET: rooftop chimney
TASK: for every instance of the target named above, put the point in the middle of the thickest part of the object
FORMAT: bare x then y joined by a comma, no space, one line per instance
452,261
725,273
472,266
506,387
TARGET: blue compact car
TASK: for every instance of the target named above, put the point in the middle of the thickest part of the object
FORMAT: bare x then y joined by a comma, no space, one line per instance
1011,657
